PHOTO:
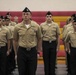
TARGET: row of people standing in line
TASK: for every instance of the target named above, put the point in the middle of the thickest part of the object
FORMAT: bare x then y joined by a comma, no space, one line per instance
31,37
28,35
69,40
7,54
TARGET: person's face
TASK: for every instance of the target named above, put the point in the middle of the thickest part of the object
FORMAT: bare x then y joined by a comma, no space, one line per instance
72,19
26,16
9,16
15,19
7,22
74,25
4,22
48,18
0,21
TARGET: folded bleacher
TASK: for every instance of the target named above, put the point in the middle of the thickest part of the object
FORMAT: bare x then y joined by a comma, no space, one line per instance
39,16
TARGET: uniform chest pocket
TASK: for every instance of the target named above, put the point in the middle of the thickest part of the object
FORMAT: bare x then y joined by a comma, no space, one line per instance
3,35
32,32
53,29
73,38
21,33
44,30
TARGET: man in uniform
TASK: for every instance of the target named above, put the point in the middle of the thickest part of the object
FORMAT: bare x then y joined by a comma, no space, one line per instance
3,20
28,35
16,20
5,37
68,27
50,36
8,14
11,57
71,36
7,21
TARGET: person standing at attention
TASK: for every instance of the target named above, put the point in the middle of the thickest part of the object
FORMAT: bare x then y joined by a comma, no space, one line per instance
71,36
50,37
28,35
5,38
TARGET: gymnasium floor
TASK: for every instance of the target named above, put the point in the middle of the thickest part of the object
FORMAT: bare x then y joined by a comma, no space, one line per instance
60,70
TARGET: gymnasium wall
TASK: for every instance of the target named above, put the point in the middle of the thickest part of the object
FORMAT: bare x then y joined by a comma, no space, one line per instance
61,10
38,5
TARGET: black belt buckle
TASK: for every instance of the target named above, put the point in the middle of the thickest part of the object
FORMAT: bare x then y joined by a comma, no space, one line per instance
28,49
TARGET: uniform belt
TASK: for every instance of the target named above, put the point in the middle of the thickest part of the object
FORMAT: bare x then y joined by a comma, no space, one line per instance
28,49
2,46
49,41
